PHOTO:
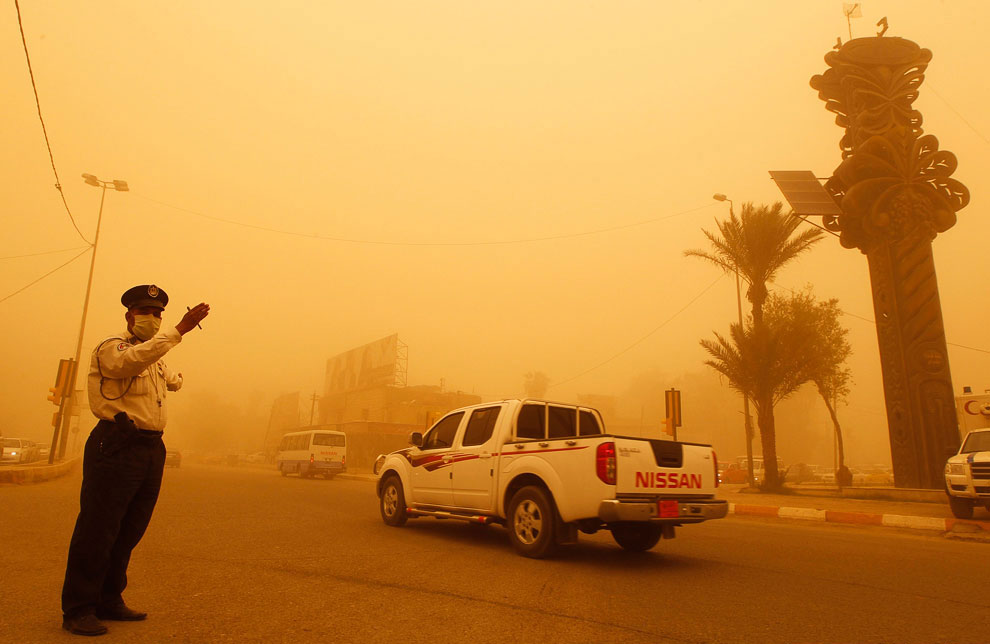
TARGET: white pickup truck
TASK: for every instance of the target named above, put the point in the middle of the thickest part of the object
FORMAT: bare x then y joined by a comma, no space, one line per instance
967,474
546,470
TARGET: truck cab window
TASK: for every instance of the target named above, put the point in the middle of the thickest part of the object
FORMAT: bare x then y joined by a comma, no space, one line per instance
532,421
563,422
589,424
480,427
442,434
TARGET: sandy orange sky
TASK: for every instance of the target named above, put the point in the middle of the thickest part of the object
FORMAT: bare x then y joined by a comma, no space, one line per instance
424,132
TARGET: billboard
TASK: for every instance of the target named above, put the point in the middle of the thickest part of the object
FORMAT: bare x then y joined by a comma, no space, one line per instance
371,365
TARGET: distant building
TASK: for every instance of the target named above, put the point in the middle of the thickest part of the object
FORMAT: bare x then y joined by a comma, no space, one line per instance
416,406
365,396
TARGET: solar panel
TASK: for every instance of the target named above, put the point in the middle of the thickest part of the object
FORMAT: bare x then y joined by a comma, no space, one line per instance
805,193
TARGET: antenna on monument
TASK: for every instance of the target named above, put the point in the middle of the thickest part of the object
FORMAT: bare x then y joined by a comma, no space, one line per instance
852,10
883,23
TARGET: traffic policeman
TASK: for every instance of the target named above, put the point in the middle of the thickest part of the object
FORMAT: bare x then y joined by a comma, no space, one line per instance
123,459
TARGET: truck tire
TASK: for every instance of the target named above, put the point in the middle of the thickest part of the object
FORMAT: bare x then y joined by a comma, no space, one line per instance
530,522
961,508
639,537
392,503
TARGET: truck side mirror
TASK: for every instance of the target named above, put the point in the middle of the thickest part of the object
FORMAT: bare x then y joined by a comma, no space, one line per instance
416,438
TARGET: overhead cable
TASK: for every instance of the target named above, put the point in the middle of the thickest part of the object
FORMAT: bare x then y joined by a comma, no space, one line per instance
874,323
47,252
44,130
637,342
961,117
382,242
44,276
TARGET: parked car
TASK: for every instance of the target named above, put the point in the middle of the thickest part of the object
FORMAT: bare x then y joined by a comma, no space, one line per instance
173,458
734,474
872,475
800,473
967,475
20,450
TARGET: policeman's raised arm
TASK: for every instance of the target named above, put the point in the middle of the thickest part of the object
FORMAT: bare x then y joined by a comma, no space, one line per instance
117,358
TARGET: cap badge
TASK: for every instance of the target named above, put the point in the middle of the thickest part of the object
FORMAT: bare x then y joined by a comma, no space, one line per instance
153,291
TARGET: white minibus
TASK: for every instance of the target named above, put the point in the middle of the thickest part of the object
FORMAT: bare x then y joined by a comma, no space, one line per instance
312,452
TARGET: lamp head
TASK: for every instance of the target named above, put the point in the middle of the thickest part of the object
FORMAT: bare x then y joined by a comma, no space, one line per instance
718,196
120,186
91,180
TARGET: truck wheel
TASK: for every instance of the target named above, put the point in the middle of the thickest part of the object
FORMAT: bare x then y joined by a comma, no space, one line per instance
636,536
961,508
393,502
531,520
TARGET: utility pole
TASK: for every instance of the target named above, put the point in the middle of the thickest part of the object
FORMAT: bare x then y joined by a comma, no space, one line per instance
120,186
312,409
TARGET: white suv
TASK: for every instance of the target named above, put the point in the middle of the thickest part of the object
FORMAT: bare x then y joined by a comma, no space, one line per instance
967,474
19,450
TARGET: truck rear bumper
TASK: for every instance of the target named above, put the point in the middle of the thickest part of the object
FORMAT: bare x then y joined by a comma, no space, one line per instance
694,511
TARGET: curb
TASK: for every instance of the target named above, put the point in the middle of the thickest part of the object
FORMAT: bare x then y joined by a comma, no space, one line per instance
37,474
857,518
357,477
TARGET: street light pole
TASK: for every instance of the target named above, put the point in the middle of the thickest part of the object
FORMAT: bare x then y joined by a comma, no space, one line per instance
120,186
747,421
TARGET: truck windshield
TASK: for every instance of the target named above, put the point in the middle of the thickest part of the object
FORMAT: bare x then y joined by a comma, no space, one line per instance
977,442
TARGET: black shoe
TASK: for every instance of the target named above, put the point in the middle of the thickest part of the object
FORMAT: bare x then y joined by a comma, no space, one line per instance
84,625
119,613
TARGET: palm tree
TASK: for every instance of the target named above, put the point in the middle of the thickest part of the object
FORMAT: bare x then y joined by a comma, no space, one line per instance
768,364
755,246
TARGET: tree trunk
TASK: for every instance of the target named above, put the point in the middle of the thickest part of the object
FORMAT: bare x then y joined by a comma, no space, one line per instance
841,475
748,423
768,439
764,402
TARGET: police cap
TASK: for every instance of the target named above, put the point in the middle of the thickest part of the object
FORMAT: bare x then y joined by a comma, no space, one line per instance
144,295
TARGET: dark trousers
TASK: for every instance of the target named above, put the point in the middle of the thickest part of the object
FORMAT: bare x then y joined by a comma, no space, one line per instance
122,475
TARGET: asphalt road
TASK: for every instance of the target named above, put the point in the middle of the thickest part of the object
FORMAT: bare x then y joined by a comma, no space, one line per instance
244,555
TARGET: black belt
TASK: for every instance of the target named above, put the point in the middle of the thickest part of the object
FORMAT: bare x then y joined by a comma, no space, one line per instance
149,433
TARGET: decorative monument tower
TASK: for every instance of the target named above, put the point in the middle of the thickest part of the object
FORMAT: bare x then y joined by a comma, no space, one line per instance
896,194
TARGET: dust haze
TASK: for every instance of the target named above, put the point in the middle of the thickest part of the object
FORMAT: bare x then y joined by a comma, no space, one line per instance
508,186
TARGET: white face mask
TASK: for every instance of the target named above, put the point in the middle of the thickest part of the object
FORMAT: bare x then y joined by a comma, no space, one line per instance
145,326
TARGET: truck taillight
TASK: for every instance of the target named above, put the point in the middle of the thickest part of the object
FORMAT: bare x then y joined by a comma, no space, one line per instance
605,463
312,458
715,460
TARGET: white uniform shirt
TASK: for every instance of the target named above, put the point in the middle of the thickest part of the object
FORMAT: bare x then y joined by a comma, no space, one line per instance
128,375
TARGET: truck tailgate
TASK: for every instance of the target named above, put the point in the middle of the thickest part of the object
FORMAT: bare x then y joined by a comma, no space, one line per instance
651,467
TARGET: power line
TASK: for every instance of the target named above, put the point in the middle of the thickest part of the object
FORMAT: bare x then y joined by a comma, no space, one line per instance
44,276
381,242
47,252
44,130
957,113
637,342
874,323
